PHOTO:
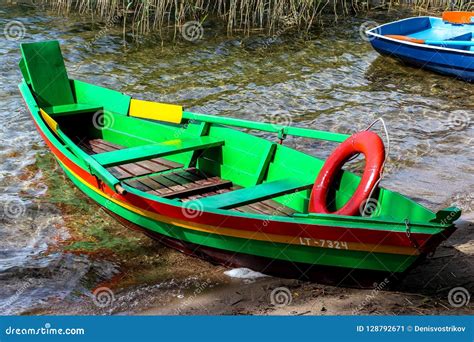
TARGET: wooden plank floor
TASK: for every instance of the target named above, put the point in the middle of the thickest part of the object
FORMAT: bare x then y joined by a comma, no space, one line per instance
179,184
267,207
129,170
183,184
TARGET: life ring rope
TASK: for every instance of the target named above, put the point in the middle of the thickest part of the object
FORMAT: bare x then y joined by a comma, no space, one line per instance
387,156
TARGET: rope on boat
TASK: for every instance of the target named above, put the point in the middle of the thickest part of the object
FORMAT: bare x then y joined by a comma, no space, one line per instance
386,136
385,160
408,233
407,222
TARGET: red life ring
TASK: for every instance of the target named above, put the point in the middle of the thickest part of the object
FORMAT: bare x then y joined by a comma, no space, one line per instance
372,147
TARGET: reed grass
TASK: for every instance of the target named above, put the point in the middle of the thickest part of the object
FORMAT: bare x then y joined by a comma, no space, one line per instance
145,16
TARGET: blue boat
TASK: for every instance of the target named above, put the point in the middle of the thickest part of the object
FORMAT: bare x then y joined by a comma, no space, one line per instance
444,45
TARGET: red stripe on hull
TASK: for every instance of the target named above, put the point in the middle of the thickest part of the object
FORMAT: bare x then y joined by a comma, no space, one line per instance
359,235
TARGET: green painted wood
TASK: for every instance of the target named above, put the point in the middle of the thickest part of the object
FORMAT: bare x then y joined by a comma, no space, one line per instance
237,165
267,127
94,167
239,160
447,216
24,72
134,154
254,194
420,217
29,99
69,109
263,169
45,66
295,253
203,130
129,139
110,100
293,164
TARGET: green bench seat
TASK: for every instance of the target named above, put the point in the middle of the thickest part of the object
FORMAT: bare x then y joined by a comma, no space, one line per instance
68,109
257,193
159,150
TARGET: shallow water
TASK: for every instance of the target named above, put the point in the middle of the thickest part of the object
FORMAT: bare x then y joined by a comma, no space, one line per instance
55,244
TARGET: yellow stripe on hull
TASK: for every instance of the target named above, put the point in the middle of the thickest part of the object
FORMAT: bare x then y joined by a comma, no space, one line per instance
49,121
292,240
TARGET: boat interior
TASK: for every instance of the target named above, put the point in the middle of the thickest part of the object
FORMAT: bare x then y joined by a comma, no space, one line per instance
431,28
173,180
172,155
190,167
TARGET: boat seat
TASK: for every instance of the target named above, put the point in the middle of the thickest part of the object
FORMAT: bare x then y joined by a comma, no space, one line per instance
179,184
458,17
69,109
255,193
144,152
43,68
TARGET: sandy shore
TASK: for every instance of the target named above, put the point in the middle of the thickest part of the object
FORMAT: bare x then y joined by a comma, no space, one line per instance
189,286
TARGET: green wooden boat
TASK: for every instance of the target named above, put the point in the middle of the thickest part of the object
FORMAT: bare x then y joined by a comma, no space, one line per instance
198,184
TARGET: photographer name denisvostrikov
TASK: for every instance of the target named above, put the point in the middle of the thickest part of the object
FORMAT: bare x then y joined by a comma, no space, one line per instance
431,329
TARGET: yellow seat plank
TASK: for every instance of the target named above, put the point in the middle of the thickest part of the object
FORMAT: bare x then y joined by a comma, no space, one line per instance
155,111
49,121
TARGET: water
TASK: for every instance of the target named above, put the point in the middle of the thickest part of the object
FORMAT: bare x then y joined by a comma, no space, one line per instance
56,245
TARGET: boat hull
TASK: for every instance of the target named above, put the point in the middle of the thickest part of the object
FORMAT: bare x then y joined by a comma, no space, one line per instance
457,62
450,63
296,254
338,276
